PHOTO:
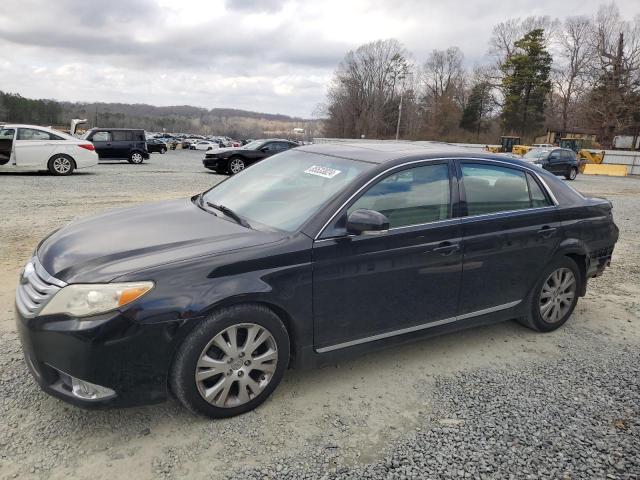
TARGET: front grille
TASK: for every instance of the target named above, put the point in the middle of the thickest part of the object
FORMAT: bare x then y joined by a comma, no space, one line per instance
35,289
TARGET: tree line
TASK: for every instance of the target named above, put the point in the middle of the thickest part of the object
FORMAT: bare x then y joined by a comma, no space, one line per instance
579,74
15,108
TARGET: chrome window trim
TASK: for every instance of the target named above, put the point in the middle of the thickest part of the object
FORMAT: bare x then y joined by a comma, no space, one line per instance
482,215
417,328
525,167
435,222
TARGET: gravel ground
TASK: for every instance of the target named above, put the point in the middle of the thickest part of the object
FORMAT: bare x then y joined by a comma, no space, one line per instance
493,402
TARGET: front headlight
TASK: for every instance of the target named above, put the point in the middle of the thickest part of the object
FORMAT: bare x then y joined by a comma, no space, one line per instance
82,300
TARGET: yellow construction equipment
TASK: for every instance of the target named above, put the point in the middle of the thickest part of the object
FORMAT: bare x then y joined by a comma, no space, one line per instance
506,145
521,149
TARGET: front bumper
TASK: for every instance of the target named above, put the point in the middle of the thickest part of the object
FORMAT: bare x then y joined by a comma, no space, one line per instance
109,350
213,163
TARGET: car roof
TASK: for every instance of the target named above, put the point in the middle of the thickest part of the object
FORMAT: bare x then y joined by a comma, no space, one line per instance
119,129
397,152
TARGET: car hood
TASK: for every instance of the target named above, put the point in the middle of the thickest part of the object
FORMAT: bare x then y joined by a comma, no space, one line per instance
104,247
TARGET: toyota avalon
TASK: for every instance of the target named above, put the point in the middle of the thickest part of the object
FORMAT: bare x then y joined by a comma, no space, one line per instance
310,255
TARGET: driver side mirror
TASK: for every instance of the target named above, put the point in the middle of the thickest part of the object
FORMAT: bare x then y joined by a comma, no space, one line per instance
367,222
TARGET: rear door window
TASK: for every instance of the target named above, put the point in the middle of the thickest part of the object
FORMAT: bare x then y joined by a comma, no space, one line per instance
121,136
491,189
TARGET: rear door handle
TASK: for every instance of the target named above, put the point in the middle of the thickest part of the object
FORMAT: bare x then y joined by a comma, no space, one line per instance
446,248
546,232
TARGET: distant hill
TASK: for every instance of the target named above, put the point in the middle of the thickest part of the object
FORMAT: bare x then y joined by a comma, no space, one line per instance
177,119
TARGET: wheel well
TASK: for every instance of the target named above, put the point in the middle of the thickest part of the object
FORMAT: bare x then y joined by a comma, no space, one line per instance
581,261
286,320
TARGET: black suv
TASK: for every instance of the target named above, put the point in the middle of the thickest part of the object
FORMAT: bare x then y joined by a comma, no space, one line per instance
117,143
559,161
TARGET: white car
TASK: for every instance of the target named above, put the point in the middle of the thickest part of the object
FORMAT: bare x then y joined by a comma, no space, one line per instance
34,148
204,145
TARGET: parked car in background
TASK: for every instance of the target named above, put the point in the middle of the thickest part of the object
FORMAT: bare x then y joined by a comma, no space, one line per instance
34,148
204,145
119,143
317,253
156,145
559,161
234,160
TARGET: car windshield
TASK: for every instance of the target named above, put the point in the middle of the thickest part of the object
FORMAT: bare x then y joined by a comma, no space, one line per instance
285,190
253,145
536,153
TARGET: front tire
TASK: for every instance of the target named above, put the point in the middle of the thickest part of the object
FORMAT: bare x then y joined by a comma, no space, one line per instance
163,150
555,296
136,158
231,362
61,165
573,173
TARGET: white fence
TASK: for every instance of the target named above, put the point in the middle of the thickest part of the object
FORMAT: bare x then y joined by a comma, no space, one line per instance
613,157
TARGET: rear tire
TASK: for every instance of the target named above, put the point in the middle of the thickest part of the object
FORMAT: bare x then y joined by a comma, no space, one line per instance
163,150
554,297
573,173
61,165
219,372
136,158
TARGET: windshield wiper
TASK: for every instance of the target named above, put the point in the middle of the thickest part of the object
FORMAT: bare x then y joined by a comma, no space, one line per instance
230,213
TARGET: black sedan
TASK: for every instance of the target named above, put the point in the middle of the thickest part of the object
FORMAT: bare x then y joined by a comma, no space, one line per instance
155,145
234,160
313,254
559,161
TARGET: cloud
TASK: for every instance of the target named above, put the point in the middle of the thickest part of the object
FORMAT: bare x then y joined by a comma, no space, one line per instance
266,55
255,5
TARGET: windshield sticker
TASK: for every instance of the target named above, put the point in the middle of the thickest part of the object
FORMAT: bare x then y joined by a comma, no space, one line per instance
324,172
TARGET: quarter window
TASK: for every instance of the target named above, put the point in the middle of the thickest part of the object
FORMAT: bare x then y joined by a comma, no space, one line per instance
490,189
410,197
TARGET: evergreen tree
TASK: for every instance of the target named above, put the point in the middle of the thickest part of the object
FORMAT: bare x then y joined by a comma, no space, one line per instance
480,104
526,84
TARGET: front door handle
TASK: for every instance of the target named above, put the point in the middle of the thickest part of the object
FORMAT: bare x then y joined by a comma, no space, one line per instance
546,232
446,248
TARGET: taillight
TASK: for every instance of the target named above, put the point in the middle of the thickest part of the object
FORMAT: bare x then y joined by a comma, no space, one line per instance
88,146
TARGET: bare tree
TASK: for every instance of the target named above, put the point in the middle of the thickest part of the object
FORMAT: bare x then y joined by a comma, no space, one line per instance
443,79
614,98
575,55
364,94
505,34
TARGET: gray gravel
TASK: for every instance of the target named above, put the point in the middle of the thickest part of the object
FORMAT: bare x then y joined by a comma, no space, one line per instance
494,402
576,419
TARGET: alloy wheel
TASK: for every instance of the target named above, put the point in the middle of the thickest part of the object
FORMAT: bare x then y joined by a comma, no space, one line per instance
557,295
237,165
62,165
136,157
573,174
236,365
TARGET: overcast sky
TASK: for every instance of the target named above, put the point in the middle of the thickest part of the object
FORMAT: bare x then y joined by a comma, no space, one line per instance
270,56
